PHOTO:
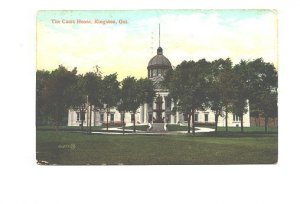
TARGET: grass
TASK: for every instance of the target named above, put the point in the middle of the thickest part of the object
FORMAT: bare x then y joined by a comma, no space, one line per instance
254,129
94,128
172,127
72,148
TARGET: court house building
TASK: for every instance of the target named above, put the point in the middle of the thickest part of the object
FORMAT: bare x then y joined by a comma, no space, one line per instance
160,110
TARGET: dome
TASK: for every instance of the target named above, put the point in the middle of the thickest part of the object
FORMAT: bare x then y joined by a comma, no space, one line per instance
159,60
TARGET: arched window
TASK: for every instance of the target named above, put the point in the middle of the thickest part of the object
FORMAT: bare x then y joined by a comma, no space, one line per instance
159,72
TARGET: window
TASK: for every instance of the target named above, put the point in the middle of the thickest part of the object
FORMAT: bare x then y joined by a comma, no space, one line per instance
185,117
80,117
158,72
149,118
236,118
196,117
206,117
168,117
154,72
122,116
132,117
112,117
168,102
101,117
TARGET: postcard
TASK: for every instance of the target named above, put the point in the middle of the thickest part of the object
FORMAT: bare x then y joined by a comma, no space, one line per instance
156,87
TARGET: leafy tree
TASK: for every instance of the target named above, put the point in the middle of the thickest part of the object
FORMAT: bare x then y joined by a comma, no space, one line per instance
92,87
42,108
122,109
263,84
111,93
188,84
268,106
129,95
177,82
79,101
87,97
135,93
59,91
217,101
226,77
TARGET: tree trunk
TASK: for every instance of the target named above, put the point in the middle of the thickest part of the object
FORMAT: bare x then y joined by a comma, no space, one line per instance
87,119
189,123
107,120
193,121
81,125
81,120
266,124
56,120
226,119
90,128
123,124
242,122
133,122
216,121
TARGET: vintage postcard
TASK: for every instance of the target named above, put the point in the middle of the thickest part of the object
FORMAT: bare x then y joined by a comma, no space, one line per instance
156,87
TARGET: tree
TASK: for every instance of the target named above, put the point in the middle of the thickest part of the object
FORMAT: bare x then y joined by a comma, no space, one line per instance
217,101
58,92
111,93
179,86
87,96
129,95
146,92
92,89
187,84
42,107
79,101
226,77
268,106
263,84
135,93
241,91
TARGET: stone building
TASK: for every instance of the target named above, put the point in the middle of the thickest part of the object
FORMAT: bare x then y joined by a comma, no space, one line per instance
160,110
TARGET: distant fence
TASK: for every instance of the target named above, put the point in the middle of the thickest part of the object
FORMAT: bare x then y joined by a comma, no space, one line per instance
260,122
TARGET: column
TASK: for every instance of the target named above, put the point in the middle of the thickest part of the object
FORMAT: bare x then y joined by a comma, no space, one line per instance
146,113
142,113
163,115
172,116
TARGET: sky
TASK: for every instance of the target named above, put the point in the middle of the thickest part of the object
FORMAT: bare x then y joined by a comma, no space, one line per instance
126,45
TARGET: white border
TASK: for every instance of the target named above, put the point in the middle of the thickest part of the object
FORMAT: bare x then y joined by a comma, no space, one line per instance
22,181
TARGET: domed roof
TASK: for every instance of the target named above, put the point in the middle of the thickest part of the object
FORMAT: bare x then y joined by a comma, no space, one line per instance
159,60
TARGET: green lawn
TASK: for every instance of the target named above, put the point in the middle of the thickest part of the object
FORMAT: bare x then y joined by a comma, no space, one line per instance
68,148
257,129
94,128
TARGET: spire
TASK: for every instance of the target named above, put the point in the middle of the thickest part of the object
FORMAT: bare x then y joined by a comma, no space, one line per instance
159,49
158,35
